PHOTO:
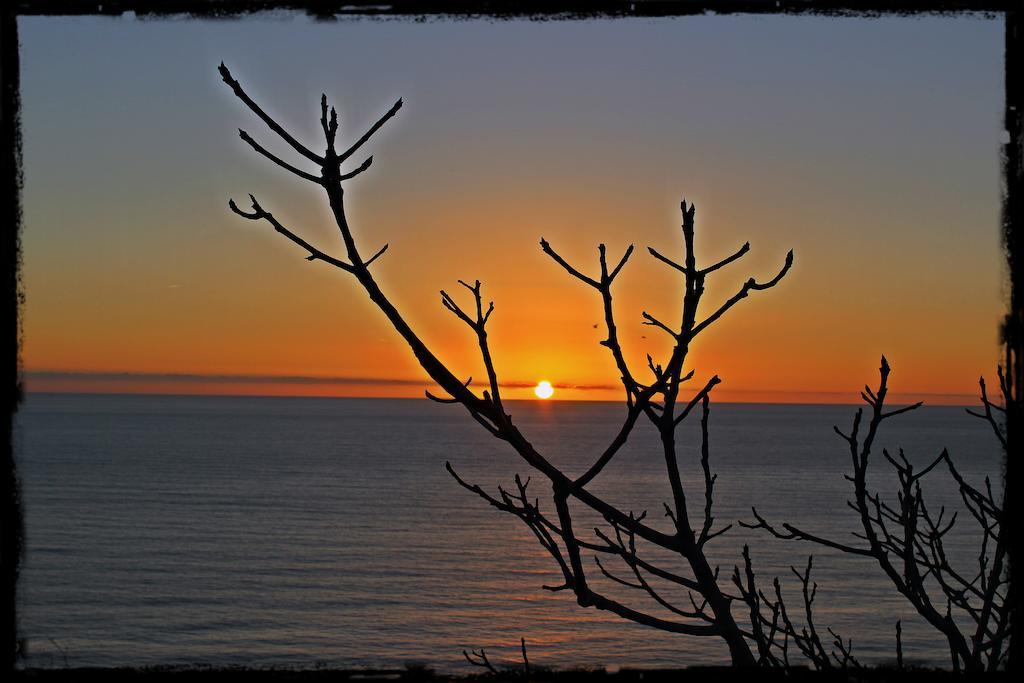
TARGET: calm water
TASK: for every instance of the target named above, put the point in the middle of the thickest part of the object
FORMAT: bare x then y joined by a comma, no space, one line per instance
292,531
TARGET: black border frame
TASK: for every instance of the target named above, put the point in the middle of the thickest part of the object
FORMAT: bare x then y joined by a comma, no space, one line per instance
1012,330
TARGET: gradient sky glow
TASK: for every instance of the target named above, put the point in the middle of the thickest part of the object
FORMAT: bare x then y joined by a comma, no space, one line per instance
870,147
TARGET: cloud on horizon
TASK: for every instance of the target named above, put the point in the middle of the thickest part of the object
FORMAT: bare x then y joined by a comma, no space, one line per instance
51,377
90,376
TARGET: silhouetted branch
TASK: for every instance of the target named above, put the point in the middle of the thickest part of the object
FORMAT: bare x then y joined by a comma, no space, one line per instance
368,134
907,541
768,629
447,400
899,645
618,442
440,400
330,128
332,179
709,612
271,123
701,395
810,635
748,286
704,271
280,162
988,416
373,258
546,247
479,325
654,322
846,650
638,399
526,661
709,479
314,254
793,533
746,583
726,261
664,259
359,169
618,267
479,658
630,559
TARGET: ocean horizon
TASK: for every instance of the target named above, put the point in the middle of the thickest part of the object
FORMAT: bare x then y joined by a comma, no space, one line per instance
921,396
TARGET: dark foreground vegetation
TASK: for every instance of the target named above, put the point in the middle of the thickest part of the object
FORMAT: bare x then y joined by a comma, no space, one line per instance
421,674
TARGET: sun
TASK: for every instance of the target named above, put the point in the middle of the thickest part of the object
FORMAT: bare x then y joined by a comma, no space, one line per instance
543,389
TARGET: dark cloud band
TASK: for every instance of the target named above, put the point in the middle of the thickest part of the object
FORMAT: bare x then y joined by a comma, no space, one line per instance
74,376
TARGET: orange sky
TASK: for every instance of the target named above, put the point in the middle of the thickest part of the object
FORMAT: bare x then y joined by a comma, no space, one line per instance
134,266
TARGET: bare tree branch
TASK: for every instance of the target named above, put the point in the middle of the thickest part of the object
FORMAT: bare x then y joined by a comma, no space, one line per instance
368,134
352,174
709,612
906,541
546,247
480,659
271,123
314,254
748,286
729,259
283,164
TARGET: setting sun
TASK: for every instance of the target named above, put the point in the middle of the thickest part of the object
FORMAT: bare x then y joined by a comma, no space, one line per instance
543,389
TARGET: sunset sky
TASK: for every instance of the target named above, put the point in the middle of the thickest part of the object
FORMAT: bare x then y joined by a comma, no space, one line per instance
870,147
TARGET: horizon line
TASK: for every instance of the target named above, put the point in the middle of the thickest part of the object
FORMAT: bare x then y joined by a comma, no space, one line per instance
321,380
423,398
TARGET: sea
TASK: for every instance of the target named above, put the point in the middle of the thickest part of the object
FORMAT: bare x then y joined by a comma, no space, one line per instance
326,532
